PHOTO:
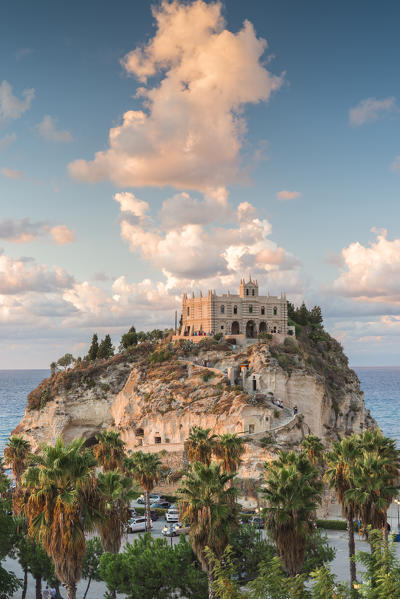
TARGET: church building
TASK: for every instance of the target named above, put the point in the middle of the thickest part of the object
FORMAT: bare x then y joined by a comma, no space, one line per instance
247,314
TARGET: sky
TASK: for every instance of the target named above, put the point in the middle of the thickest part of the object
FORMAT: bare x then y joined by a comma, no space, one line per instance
150,149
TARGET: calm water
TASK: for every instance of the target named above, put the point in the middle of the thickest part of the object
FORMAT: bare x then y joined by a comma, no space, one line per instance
14,387
380,385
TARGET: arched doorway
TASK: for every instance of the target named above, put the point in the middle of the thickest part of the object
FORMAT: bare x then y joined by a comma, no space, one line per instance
251,329
263,327
235,328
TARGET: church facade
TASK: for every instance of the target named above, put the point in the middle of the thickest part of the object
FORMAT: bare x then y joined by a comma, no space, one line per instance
247,313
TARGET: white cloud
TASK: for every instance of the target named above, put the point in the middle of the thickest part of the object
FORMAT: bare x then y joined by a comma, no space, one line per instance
190,249
371,273
371,109
288,195
62,235
12,173
48,129
23,230
7,140
11,107
21,275
190,131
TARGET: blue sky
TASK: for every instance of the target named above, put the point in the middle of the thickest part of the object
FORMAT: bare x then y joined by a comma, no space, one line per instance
223,127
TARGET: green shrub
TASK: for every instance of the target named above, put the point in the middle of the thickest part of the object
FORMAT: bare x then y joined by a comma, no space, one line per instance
332,524
207,375
267,441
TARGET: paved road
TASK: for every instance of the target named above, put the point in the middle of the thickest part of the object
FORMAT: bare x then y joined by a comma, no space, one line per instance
336,539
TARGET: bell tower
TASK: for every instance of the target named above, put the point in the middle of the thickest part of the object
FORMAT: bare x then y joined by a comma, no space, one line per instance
249,289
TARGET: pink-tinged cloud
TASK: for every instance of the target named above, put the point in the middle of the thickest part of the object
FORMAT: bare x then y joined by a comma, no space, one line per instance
47,129
62,235
12,173
24,275
371,273
204,251
12,107
371,109
395,165
288,195
191,129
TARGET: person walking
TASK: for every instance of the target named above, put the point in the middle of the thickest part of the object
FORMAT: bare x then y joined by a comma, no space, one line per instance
46,592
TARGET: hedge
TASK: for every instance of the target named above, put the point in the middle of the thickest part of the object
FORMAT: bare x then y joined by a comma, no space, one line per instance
334,524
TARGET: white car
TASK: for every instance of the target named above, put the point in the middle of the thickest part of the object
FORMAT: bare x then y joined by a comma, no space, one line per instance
172,515
138,524
153,498
181,529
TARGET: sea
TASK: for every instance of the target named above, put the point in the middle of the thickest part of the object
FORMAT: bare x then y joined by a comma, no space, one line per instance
381,386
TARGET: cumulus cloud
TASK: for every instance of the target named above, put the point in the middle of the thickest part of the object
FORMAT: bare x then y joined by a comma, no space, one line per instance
371,273
6,140
190,130
23,230
62,235
11,173
371,109
288,195
12,107
192,248
48,129
19,275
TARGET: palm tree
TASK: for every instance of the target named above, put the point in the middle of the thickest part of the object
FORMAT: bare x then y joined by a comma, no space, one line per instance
229,448
110,450
314,448
293,492
63,503
373,488
209,506
16,454
199,445
116,494
340,462
146,470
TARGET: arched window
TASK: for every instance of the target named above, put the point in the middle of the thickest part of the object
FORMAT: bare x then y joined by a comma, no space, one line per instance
263,310
247,292
275,311
188,311
222,309
235,309
252,292
250,309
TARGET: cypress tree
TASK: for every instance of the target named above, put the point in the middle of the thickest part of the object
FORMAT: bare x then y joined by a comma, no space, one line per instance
106,348
94,348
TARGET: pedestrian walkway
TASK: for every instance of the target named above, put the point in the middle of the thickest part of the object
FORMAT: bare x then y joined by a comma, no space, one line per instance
287,415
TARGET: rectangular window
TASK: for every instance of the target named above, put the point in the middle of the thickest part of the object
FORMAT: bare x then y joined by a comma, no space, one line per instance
251,428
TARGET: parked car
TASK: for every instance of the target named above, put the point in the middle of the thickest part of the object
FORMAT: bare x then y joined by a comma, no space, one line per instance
138,524
153,497
172,515
168,530
257,522
181,529
174,530
133,512
160,505
154,515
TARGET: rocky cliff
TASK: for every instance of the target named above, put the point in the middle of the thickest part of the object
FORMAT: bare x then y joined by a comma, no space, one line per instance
273,393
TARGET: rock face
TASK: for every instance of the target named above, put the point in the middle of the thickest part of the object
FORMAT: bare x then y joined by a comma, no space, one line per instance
153,395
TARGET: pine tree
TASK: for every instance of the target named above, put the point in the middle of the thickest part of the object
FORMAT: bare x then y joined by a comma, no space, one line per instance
129,339
106,348
94,348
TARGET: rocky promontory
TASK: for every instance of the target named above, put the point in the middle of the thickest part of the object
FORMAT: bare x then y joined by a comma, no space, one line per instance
273,392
